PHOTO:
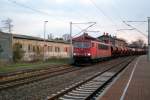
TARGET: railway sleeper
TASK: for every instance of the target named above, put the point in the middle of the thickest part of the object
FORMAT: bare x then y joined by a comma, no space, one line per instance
88,88
91,86
83,90
62,98
94,83
108,74
73,97
101,78
78,94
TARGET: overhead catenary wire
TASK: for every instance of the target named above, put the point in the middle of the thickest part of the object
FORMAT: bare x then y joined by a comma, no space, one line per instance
117,12
121,19
104,14
135,29
83,30
136,21
87,30
140,22
28,7
50,15
101,11
132,27
37,10
42,12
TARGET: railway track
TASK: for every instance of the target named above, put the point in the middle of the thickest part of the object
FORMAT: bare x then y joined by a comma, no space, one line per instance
34,76
37,75
88,88
23,71
28,76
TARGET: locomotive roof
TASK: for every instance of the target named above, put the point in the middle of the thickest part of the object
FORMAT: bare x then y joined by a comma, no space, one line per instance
85,37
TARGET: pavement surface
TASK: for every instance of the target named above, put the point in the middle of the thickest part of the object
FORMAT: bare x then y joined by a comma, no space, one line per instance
132,84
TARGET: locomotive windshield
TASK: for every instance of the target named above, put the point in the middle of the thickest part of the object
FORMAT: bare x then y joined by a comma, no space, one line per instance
81,45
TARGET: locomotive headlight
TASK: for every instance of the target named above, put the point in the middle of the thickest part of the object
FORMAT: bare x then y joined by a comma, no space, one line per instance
88,54
74,54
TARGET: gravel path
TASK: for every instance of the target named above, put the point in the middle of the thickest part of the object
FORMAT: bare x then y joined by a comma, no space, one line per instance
40,90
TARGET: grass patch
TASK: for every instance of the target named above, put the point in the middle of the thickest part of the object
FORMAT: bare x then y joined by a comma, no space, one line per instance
58,61
31,65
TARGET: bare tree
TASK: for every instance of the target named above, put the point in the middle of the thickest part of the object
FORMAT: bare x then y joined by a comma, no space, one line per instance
7,24
66,37
50,36
137,44
58,38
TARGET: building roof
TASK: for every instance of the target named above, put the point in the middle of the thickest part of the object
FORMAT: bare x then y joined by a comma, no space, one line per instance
37,38
108,36
18,36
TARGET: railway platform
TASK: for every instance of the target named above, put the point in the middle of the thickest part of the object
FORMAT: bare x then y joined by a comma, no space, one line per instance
132,84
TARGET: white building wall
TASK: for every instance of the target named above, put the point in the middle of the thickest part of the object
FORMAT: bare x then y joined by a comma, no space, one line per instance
29,55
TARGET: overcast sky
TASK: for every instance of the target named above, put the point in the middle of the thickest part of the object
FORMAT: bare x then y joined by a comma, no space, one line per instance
29,15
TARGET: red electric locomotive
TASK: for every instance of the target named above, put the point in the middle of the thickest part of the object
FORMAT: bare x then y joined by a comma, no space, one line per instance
86,48
89,49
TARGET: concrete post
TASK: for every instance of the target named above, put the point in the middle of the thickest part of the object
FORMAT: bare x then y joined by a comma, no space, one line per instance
71,45
148,38
44,58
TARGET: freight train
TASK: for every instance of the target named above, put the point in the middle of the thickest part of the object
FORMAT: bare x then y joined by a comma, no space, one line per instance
90,49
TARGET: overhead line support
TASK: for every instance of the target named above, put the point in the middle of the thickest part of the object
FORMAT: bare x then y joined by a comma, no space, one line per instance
149,39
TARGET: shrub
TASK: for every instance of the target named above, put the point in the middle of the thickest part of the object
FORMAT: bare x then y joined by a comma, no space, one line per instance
1,50
18,53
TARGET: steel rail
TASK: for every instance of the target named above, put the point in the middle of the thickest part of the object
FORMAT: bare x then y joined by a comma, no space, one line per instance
68,93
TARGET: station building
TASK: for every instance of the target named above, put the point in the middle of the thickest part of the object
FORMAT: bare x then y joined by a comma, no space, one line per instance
113,40
34,47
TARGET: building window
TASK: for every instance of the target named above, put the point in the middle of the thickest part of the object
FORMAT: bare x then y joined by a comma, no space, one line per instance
20,45
29,47
50,48
57,49
65,49
34,49
38,49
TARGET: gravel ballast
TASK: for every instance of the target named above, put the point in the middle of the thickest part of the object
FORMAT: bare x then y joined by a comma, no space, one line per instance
41,89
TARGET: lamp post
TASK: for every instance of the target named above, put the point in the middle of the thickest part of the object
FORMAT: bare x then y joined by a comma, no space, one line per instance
44,39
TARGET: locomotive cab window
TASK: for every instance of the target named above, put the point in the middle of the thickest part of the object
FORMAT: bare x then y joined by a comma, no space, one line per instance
81,44
57,49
